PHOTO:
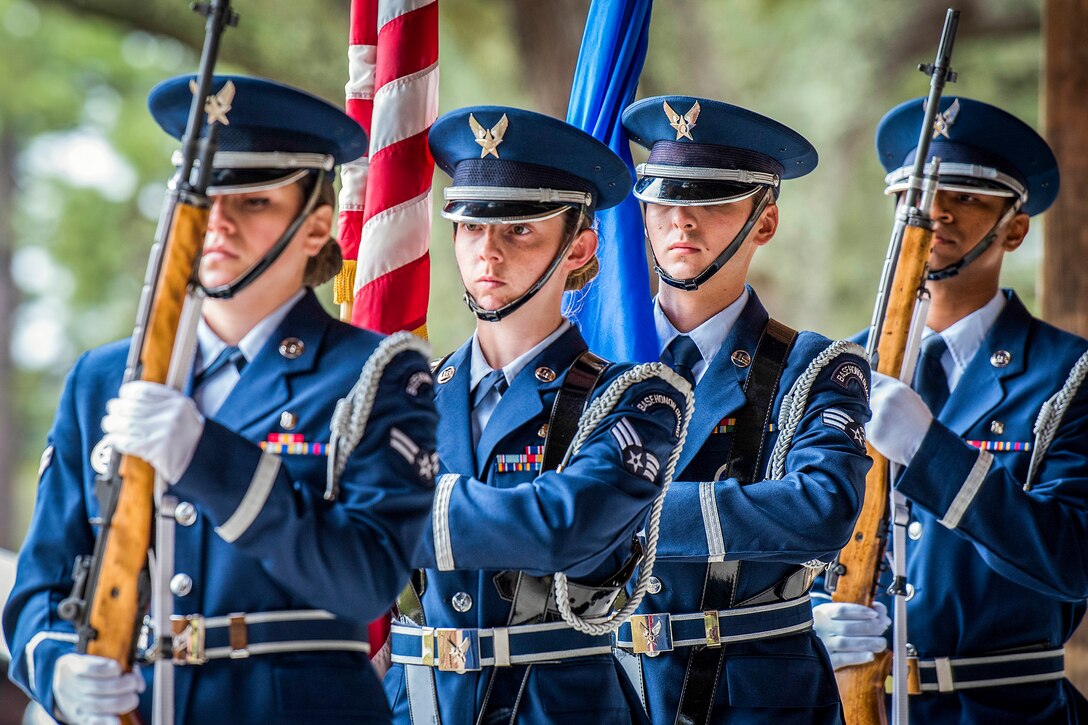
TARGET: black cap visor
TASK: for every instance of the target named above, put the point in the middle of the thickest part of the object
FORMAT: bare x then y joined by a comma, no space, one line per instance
687,192
500,212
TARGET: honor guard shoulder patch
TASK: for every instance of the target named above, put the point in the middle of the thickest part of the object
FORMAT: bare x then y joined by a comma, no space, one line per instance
850,376
656,400
292,444
530,460
426,464
417,381
47,458
835,418
635,458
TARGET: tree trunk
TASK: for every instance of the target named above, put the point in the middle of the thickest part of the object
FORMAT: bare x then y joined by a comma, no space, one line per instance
8,301
1064,292
549,35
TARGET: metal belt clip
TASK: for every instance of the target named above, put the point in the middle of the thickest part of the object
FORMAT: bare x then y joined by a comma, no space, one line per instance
188,639
458,650
713,628
426,638
651,634
239,637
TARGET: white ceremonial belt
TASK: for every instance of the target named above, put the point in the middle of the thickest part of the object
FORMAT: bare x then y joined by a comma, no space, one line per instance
950,674
469,650
197,639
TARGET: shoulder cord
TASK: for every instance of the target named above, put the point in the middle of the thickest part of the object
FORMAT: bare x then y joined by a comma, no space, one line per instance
352,412
597,411
1050,417
794,404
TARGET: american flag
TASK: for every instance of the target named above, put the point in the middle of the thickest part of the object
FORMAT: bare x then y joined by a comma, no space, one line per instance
385,203
385,199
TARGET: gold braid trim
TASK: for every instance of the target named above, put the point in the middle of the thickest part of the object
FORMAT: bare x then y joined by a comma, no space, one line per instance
344,284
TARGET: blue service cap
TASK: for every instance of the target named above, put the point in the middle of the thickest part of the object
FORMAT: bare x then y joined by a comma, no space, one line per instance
706,152
982,148
511,165
273,134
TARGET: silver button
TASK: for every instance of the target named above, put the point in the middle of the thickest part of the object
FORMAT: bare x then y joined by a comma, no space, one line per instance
996,426
461,602
291,347
910,592
185,513
914,531
544,374
181,584
1001,358
288,420
653,585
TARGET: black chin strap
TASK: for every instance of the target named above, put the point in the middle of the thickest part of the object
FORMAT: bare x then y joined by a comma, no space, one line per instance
228,290
512,307
953,269
700,279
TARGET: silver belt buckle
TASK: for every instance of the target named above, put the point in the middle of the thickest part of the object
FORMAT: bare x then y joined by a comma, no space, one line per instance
188,639
651,634
458,650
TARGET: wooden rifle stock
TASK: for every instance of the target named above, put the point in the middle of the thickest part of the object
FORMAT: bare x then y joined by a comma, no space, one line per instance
862,686
115,612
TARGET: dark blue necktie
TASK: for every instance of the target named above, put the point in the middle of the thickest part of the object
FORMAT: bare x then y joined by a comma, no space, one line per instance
929,377
230,355
682,355
496,380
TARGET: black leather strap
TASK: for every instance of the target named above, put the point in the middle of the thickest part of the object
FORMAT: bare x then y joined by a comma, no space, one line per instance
570,401
743,461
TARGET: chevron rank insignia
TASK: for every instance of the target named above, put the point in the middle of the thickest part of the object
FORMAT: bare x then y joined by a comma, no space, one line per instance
489,139
292,444
426,464
530,460
683,124
636,459
835,418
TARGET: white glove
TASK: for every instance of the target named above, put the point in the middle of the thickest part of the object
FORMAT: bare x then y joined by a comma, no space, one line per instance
851,632
900,419
92,690
155,423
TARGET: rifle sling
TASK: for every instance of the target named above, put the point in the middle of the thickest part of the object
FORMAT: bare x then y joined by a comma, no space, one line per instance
745,454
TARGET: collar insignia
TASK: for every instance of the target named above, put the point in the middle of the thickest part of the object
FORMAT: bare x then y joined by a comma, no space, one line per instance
683,124
943,122
218,105
489,140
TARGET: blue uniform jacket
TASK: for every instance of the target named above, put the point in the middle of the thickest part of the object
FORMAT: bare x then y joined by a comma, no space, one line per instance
772,526
580,521
1012,573
298,553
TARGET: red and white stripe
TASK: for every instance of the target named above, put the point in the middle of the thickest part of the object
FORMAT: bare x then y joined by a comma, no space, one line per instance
392,275
362,61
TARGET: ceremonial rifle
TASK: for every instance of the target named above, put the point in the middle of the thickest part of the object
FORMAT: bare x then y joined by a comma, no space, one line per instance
112,586
894,334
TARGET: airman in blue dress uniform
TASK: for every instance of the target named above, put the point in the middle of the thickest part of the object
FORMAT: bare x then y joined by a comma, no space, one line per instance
768,485
281,581
483,636
994,444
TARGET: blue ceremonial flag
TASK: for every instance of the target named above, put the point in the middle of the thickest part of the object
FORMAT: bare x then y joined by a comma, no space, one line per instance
614,311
